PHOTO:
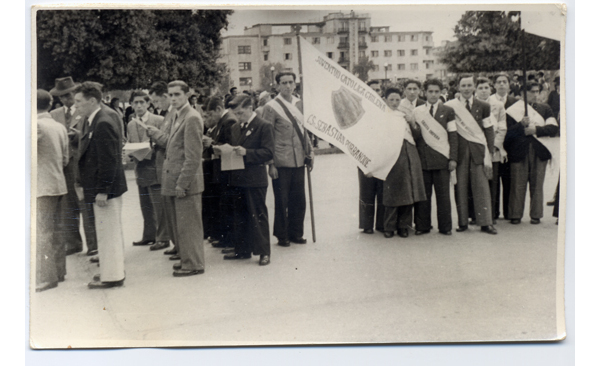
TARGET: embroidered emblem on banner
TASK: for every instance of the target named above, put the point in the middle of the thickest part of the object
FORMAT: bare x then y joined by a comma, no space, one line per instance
347,107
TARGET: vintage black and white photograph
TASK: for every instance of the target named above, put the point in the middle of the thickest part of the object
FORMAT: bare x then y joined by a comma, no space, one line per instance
252,176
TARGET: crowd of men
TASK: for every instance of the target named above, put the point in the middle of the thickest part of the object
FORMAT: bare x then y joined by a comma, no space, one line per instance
188,194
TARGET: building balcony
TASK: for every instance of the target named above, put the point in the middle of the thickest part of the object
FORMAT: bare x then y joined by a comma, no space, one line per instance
343,45
363,30
342,60
362,45
342,30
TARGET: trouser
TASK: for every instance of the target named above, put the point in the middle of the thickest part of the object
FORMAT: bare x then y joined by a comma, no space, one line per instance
210,209
504,175
185,224
370,191
556,199
533,171
148,215
290,203
109,229
440,180
396,218
89,224
50,249
494,189
162,228
469,174
68,225
227,202
251,221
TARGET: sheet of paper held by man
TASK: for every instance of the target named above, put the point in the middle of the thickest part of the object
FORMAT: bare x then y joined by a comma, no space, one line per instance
230,159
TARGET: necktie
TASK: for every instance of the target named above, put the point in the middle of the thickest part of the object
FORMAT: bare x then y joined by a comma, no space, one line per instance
68,116
431,110
468,106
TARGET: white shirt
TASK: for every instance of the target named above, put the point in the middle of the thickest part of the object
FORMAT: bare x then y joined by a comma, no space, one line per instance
72,109
224,112
91,117
435,107
462,99
501,99
245,124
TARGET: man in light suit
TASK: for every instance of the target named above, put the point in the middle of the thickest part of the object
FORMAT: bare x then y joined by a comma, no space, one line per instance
102,182
155,226
71,208
183,182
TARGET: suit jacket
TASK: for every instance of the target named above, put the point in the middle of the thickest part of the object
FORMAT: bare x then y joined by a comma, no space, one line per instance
100,163
52,156
479,110
431,159
159,141
258,141
220,134
517,143
183,154
58,115
145,170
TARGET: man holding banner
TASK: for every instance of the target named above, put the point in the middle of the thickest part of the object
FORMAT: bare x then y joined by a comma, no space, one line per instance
474,165
527,153
292,151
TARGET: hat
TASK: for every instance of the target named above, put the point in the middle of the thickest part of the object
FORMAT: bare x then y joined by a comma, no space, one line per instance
264,94
63,86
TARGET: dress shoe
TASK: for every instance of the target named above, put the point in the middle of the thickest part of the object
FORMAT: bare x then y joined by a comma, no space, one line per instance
228,250
446,232
92,252
535,221
368,231
73,251
298,240
421,232
187,272
95,260
237,256
460,229
175,257
212,240
177,266
219,244
96,278
473,222
515,221
45,286
550,203
143,242
170,251
283,243
388,234
160,245
489,229
61,278
101,285
403,233
264,260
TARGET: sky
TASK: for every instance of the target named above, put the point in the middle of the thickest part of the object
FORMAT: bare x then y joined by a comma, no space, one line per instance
440,22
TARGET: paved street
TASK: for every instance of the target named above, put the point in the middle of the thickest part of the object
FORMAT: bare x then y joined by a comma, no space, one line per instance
347,287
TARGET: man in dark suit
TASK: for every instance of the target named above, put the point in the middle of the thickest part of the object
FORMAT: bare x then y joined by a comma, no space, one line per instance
71,208
438,158
528,156
218,196
502,85
474,165
102,182
183,182
253,139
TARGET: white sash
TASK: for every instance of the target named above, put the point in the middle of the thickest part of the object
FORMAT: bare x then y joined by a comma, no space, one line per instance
291,107
406,107
517,112
434,134
468,128
408,134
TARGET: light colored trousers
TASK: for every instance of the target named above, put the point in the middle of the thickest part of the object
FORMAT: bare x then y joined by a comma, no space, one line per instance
109,232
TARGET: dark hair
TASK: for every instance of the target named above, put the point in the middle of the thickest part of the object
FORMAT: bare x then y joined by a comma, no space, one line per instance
482,80
389,91
452,83
531,84
159,88
138,93
114,100
90,89
502,75
465,76
429,82
371,82
284,73
242,100
184,87
213,103
530,77
412,81
231,90
44,100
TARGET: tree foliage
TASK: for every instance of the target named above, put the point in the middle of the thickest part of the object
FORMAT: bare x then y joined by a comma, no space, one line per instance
490,41
363,67
125,49
267,80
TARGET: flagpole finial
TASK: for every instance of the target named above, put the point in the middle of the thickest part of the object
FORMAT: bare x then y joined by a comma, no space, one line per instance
297,28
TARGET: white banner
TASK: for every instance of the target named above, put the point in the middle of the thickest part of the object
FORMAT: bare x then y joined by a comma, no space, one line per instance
344,111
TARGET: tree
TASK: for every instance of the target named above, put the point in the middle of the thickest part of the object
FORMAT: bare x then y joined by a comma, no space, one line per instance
124,49
267,79
363,67
489,41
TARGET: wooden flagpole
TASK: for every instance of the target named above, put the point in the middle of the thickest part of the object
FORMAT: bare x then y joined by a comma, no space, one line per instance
524,61
297,29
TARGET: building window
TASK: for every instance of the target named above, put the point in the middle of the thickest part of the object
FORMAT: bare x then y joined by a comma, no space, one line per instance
374,53
427,38
427,51
316,40
245,81
245,66
414,66
342,55
343,39
287,41
374,38
362,39
413,38
401,67
414,52
243,50
330,40
401,38
330,54
387,67
387,53
401,53
376,68
387,38
362,54
265,42
429,64
266,56
287,56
